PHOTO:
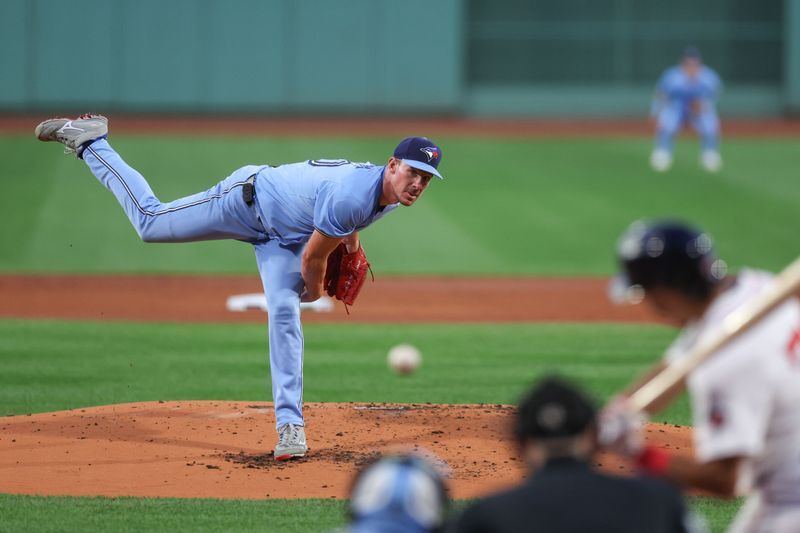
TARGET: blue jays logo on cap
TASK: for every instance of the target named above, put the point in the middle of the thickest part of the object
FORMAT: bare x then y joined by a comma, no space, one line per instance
432,152
420,153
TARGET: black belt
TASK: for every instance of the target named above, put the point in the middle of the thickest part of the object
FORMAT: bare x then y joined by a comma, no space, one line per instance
249,190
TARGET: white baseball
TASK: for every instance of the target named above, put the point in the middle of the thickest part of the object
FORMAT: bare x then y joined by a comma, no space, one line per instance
404,358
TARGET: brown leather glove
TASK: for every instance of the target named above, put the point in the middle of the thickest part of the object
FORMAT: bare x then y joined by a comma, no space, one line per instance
332,270
346,273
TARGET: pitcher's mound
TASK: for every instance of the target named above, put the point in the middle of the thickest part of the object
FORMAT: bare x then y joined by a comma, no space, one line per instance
221,449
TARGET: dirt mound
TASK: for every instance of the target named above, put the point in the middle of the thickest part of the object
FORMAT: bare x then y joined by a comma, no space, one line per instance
221,449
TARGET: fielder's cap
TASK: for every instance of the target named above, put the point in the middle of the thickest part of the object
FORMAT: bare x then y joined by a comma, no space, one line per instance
398,493
421,153
692,52
665,253
553,409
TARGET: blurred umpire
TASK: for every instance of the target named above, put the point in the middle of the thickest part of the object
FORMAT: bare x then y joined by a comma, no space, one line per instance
556,430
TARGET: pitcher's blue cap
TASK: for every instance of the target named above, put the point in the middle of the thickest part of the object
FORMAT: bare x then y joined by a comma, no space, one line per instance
420,153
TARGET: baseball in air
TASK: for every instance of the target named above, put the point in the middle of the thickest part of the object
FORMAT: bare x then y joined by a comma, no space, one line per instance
404,358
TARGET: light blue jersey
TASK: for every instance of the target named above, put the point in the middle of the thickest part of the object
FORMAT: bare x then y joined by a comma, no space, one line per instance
681,101
681,89
336,197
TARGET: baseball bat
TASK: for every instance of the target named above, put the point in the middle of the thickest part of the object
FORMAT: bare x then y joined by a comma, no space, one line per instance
668,382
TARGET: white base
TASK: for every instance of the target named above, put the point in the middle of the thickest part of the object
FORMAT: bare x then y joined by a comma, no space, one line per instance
258,301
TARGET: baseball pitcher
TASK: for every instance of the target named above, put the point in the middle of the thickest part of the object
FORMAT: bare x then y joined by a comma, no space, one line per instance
294,215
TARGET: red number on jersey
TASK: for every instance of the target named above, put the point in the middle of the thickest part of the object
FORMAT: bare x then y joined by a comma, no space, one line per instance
793,348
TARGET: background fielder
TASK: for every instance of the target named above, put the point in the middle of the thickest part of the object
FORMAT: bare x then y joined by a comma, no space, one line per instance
686,96
294,215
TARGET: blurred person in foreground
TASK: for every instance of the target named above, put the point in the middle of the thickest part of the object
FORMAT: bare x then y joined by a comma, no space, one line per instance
397,494
556,430
686,95
744,398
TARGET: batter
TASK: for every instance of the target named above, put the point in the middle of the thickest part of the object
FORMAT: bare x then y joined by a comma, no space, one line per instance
745,396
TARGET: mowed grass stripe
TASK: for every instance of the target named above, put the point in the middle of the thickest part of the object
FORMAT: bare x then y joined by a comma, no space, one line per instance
46,514
508,206
54,365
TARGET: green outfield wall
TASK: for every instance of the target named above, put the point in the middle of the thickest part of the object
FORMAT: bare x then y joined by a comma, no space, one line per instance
474,57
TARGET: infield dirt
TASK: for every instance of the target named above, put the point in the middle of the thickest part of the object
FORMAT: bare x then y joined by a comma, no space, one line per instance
389,299
220,449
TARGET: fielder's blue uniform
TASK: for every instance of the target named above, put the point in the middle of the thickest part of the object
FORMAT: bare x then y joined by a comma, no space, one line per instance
687,101
291,201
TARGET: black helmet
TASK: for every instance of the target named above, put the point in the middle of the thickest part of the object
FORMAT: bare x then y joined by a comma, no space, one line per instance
666,254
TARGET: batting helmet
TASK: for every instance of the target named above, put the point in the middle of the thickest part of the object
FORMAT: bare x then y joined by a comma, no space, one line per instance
665,254
401,493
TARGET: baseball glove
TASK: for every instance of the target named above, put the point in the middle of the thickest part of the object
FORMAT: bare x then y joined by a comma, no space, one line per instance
345,274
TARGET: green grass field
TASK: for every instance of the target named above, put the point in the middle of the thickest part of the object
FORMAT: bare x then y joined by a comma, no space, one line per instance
53,365
508,207
57,514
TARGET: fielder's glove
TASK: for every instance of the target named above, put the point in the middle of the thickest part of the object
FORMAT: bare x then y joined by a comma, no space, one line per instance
345,274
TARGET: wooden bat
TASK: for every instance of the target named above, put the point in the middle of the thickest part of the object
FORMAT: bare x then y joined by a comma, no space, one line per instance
669,381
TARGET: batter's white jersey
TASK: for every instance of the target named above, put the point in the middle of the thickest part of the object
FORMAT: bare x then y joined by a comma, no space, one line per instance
746,397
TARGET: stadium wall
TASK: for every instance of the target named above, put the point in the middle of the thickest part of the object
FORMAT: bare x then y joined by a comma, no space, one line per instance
475,57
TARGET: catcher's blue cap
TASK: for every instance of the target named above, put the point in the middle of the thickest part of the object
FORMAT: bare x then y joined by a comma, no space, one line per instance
421,153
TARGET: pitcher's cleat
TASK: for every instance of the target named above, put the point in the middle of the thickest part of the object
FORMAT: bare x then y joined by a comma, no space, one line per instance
291,442
74,134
